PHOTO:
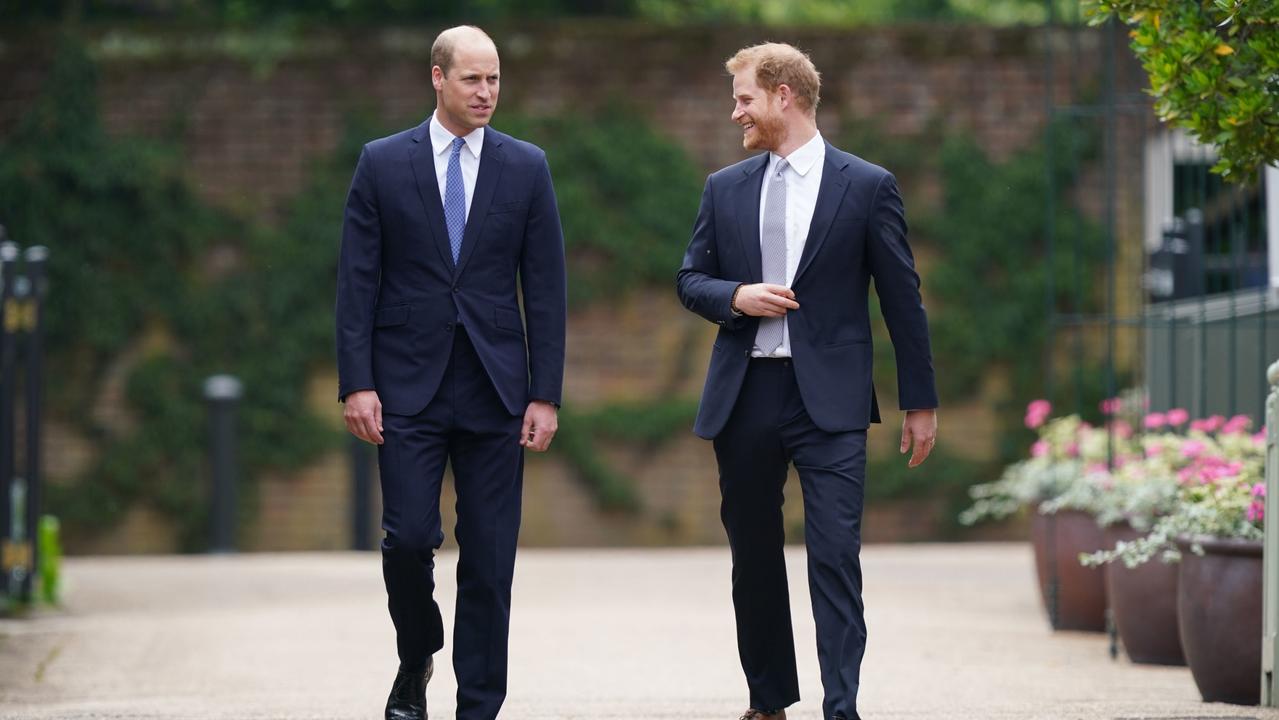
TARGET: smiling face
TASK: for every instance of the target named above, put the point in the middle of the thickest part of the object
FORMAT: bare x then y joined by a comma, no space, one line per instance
466,95
758,112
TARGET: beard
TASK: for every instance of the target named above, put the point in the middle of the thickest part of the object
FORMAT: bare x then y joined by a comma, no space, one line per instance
767,135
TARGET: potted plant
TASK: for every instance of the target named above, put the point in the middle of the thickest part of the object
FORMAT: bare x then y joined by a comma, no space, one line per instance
1214,530
1126,498
1073,595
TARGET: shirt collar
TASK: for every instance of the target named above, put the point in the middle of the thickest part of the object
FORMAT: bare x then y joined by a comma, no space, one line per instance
803,158
442,139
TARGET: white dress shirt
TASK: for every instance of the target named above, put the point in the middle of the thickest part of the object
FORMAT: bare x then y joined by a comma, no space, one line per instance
803,176
442,144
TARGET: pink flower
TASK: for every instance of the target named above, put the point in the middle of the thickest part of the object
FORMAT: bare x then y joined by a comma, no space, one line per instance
1122,430
1155,420
1259,490
1192,449
1236,424
1259,437
1039,449
1072,450
1177,417
1037,412
1154,449
1256,512
1095,467
1111,406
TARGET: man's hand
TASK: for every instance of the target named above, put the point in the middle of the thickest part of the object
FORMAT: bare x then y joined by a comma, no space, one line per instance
921,427
541,420
363,416
765,300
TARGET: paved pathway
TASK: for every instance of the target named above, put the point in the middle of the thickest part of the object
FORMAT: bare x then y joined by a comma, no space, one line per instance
956,632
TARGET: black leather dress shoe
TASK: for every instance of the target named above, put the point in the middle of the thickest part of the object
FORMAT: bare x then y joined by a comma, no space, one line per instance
408,694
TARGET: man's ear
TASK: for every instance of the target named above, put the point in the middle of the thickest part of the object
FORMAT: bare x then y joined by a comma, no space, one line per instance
437,78
785,95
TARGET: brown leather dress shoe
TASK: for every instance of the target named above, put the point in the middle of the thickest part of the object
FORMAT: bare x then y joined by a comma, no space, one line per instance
408,694
754,714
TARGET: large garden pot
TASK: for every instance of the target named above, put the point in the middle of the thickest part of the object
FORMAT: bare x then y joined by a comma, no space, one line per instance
1219,612
1143,604
1073,595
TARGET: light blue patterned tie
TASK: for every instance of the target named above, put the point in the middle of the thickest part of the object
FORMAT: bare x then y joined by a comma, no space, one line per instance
455,199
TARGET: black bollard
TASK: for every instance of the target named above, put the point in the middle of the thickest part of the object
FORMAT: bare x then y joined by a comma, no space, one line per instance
223,394
36,258
361,491
10,319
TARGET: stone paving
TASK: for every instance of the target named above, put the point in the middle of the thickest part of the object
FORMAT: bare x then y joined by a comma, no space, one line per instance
956,631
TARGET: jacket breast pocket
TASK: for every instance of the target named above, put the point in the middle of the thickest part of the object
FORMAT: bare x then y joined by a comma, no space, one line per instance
847,342
391,316
508,207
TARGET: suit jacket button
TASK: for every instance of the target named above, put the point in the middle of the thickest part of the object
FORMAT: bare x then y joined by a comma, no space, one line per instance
456,289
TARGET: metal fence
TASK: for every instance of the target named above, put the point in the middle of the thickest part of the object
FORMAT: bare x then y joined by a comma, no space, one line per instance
1178,300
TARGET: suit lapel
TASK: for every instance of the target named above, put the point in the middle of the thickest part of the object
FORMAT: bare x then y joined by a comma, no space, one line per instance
421,157
747,212
491,160
829,197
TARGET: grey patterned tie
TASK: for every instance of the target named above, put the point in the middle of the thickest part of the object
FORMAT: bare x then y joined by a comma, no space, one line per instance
772,249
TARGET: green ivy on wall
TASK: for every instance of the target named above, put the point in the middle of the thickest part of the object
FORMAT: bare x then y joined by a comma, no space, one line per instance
152,290
141,269
150,282
986,278
627,196
644,425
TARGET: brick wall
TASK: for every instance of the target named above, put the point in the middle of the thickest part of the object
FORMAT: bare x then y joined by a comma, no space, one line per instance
249,130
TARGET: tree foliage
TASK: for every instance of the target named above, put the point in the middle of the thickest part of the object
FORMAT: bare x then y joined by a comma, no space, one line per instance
1214,71
762,12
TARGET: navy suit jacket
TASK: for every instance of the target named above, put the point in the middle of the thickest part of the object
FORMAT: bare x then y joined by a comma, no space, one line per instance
400,295
858,233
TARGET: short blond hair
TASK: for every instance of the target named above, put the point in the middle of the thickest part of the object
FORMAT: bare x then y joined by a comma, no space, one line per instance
778,64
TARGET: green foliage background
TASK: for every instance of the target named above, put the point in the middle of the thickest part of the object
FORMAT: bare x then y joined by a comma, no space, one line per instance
141,269
766,12
130,274
986,284
140,266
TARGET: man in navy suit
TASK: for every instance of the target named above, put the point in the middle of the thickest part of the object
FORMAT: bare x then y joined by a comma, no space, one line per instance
437,364
782,255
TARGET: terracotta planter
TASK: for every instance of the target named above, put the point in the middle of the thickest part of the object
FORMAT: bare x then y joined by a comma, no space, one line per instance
1073,595
1219,612
1143,604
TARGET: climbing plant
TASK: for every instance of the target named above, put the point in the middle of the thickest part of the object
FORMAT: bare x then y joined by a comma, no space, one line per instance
627,196
985,275
152,291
